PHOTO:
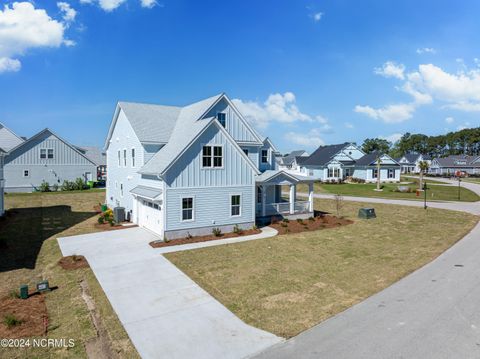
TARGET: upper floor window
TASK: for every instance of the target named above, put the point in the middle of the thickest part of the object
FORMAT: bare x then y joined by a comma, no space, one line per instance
222,118
235,205
264,156
124,158
212,156
133,157
119,160
50,153
43,153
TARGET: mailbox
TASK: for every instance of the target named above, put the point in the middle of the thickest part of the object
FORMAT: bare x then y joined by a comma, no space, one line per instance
367,213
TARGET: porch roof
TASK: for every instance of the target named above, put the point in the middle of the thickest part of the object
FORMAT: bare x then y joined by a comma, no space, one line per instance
282,177
147,192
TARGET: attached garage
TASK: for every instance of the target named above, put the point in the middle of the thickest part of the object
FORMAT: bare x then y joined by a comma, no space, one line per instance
148,208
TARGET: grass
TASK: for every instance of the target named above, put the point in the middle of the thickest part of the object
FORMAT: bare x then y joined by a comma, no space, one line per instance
289,283
11,321
426,179
30,231
434,192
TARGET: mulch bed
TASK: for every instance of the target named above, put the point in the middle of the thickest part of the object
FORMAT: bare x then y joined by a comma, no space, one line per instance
210,237
108,227
31,312
319,222
73,262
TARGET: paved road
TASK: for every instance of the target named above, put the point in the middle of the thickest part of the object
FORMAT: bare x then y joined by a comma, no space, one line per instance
165,313
432,313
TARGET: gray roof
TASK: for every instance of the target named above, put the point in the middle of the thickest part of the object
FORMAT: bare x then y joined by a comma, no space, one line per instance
370,159
147,192
288,159
270,174
453,161
324,154
95,154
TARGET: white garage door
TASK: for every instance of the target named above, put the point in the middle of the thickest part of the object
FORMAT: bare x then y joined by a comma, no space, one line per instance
150,216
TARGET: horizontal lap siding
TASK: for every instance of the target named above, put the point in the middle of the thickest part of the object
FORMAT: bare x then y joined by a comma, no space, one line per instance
2,205
211,206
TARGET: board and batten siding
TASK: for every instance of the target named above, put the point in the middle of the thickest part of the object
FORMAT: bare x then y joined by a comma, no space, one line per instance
66,164
123,138
233,124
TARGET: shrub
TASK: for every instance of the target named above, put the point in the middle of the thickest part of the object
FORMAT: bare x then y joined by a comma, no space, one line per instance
286,220
254,227
311,219
44,187
67,186
11,321
80,184
101,220
357,180
111,221
55,187
14,294
299,220
237,229
217,232
165,239
284,224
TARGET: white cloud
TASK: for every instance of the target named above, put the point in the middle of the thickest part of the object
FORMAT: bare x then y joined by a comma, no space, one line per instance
391,69
317,16
429,50
310,139
349,125
395,113
394,137
24,27
148,3
9,65
449,120
69,13
277,108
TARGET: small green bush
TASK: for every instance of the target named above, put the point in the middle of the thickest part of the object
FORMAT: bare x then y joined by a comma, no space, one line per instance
254,227
284,224
101,220
11,321
286,220
311,219
44,187
237,229
299,220
217,232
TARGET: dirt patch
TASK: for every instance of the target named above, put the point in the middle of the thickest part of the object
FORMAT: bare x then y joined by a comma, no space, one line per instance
100,346
73,262
30,314
311,224
210,237
108,227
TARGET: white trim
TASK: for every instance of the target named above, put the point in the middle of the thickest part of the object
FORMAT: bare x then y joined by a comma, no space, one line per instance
261,155
23,173
193,209
240,205
212,167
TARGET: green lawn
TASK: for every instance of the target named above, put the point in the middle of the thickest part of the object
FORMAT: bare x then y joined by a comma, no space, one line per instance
289,283
30,230
434,192
426,179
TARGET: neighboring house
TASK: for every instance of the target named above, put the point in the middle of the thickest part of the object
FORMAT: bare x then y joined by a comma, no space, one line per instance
452,164
410,162
97,156
181,171
292,162
366,168
44,157
8,139
332,162
2,182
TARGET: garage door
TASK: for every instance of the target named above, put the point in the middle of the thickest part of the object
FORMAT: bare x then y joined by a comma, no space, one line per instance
150,216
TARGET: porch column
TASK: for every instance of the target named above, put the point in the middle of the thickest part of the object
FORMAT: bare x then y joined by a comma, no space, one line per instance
292,198
264,200
310,197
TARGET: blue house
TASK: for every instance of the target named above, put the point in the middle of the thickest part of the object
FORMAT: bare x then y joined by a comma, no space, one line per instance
2,184
181,171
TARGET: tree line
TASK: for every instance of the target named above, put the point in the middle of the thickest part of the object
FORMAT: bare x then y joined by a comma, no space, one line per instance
466,141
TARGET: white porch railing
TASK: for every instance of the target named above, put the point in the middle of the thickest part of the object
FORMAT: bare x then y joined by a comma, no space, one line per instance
283,208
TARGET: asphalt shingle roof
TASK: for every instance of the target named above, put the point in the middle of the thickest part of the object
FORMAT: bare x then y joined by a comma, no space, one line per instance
453,161
324,154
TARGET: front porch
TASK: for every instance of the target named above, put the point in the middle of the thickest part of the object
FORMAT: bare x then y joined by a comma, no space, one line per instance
270,202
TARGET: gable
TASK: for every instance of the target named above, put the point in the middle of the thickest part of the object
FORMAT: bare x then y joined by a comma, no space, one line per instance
353,151
29,152
8,139
187,169
236,126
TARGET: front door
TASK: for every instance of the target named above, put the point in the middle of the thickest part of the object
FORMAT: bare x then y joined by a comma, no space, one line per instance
347,172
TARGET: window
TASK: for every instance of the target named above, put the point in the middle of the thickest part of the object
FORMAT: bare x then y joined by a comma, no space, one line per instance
347,172
333,172
133,157
212,156
391,173
43,153
26,173
245,150
375,173
121,189
221,117
207,156
124,158
264,156
259,195
187,209
119,160
50,153
235,205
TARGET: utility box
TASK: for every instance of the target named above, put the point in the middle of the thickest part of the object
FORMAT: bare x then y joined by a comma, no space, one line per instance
366,213
24,291
119,214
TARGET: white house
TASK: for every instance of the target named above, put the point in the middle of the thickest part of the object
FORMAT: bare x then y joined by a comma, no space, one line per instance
293,161
181,171
410,162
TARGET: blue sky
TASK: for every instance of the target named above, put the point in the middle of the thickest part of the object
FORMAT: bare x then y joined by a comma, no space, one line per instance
304,72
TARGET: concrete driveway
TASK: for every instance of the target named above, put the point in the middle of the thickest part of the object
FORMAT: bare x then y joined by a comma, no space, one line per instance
164,312
432,313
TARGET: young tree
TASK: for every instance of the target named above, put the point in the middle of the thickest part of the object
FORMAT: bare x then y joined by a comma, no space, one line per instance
423,165
338,204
